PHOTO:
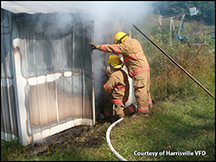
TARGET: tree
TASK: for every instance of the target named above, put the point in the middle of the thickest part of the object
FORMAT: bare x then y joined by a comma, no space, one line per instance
171,8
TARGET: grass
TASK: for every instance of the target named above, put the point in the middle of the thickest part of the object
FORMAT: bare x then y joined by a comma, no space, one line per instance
183,118
177,126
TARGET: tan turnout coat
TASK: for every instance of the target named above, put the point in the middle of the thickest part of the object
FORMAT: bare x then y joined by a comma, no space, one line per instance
133,55
118,86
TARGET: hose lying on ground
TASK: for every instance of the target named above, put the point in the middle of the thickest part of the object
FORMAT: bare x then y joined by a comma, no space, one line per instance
108,140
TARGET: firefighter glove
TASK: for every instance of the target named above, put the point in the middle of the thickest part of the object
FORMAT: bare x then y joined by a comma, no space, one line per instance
94,46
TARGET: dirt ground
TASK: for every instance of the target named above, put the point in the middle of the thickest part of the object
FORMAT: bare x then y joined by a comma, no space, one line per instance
73,137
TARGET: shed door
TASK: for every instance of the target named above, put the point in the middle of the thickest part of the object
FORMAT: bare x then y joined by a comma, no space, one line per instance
57,66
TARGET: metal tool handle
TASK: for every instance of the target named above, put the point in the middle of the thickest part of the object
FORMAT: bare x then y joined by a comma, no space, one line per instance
175,62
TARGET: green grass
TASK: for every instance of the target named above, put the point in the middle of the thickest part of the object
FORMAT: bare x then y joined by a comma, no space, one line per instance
175,126
181,125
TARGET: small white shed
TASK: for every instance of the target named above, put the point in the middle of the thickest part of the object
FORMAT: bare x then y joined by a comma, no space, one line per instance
47,82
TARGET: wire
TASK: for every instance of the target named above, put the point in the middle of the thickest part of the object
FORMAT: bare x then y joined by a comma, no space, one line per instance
109,143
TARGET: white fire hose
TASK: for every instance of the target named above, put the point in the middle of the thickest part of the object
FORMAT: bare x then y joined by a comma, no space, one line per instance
108,140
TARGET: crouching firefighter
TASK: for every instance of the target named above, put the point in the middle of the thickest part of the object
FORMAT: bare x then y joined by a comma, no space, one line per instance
118,88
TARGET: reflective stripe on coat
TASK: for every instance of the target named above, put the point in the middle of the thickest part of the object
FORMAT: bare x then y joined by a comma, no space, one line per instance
118,86
133,55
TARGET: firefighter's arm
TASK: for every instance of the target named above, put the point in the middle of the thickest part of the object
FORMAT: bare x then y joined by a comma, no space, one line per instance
121,48
110,84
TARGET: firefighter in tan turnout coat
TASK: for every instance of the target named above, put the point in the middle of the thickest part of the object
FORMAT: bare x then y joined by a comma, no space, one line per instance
137,65
118,87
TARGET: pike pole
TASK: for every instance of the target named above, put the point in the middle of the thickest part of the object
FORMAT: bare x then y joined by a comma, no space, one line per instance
175,62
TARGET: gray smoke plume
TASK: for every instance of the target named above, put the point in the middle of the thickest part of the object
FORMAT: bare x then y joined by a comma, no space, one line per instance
110,12
108,18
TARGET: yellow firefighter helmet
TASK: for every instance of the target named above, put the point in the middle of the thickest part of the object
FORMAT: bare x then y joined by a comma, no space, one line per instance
120,36
115,61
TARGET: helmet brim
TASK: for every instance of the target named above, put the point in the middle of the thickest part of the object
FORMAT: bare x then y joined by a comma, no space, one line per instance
122,38
118,66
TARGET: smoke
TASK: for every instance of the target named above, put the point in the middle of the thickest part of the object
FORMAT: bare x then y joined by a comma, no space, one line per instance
108,14
109,18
